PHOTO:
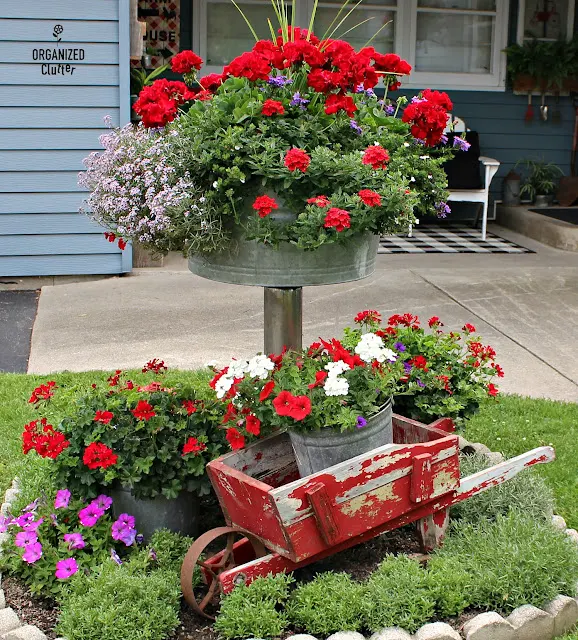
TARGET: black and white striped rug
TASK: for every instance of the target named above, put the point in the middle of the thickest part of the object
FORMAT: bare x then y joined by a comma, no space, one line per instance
449,238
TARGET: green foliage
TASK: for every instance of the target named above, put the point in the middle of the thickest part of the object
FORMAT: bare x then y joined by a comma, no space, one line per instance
542,178
449,585
149,449
255,610
331,602
508,562
397,594
527,493
121,603
169,549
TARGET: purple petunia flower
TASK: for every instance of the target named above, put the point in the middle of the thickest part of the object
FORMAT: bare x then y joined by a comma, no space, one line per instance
153,555
420,384
361,422
444,138
102,502
32,525
75,541
62,499
124,529
355,127
442,209
279,81
139,538
408,367
114,555
399,346
25,538
66,568
298,101
24,519
5,521
461,144
32,553
90,515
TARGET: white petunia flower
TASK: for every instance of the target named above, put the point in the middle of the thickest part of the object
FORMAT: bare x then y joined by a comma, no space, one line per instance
224,383
335,368
371,347
238,368
336,386
260,366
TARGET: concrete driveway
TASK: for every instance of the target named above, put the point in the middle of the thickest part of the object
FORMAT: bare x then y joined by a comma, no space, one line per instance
525,305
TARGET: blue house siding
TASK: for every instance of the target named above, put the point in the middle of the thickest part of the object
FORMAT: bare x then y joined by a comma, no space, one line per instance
48,124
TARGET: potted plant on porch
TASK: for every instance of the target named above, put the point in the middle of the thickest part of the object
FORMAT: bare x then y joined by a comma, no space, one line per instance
541,181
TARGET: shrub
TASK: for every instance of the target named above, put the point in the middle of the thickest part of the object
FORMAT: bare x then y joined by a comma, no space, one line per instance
120,603
527,492
397,594
169,549
253,610
450,585
331,602
508,562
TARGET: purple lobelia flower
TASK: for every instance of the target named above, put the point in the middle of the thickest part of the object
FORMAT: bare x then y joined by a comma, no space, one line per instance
461,144
355,127
66,568
361,422
442,209
32,553
25,538
420,384
444,138
279,81
408,367
399,346
298,101
75,541
389,110
102,502
90,515
62,499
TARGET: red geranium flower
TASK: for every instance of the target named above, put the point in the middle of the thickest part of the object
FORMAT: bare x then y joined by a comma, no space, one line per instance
319,379
428,116
190,406
192,445
376,156
121,244
300,408
371,315
211,82
434,321
320,201
323,81
111,237
419,362
143,411
158,366
297,159
98,455
370,198
235,439
253,425
266,390
335,103
272,107
263,205
103,416
492,390
43,392
283,403
499,371
338,218
469,328
185,62
249,65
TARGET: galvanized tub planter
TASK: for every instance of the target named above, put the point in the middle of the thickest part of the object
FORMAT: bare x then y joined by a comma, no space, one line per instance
318,450
180,514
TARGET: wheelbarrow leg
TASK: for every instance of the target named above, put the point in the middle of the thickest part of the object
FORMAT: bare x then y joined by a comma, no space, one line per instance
431,530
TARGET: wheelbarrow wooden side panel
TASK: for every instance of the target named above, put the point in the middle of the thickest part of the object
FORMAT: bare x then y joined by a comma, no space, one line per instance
356,496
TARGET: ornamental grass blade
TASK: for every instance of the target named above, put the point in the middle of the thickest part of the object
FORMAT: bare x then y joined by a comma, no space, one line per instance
246,20
377,33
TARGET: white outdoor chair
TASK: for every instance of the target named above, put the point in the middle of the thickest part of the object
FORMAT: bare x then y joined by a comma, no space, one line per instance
481,196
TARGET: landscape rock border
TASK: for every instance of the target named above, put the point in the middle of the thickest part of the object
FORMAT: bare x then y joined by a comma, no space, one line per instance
527,622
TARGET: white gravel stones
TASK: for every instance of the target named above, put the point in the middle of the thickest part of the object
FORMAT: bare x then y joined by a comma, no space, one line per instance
489,626
301,636
28,632
8,620
437,631
463,443
346,635
572,534
495,457
531,623
2,599
559,522
480,448
10,495
391,633
565,612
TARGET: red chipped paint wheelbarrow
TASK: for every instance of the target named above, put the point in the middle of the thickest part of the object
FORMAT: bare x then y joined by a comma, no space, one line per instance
279,522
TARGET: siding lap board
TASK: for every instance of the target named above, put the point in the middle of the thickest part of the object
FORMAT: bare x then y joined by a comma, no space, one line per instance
51,116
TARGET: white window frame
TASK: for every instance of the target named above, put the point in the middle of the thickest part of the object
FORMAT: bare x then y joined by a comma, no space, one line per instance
405,44
522,21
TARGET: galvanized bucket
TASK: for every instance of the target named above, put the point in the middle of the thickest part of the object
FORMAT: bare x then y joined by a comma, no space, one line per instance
251,262
318,450
181,514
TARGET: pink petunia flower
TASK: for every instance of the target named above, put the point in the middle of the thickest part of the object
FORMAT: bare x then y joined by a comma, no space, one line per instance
75,541
66,568
62,499
90,515
25,538
32,553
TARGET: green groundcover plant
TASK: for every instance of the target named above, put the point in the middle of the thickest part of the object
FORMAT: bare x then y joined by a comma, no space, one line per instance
151,438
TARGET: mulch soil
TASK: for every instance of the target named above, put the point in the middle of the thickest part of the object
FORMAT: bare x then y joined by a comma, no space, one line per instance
359,562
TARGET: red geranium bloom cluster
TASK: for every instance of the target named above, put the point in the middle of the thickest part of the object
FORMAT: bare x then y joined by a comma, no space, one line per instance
190,406
434,321
391,63
211,82
419,362
143,411
98,455
492,390
41,436
296,407
370,198
369,316
407,320
43,392
103,416
158,103
185,62
192,445
428,116
320,201
297,159
272,107
251,65
155,365
338,218
376,156
113,380
335,103
263,205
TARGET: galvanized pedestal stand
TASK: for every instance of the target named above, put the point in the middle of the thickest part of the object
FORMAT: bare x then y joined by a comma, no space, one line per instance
283,318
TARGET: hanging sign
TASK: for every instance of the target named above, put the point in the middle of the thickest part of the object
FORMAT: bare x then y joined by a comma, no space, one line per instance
162,35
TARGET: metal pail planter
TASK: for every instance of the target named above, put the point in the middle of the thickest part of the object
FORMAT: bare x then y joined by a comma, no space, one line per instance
318,450
180,514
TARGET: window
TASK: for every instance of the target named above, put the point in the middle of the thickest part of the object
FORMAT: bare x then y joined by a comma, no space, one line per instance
451,44
545,19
